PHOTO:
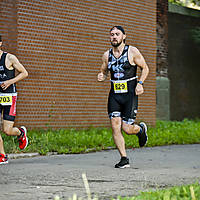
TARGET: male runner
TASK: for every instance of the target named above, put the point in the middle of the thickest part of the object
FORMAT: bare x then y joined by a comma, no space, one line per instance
122,61
8,97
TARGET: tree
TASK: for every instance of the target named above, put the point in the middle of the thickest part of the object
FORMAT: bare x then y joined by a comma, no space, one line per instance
185,2
195,2
177,2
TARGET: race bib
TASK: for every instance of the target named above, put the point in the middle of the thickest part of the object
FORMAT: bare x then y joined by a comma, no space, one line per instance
120,86
5,99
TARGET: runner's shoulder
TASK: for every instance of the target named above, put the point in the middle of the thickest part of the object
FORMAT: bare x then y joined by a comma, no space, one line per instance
11,57
133,49
105,55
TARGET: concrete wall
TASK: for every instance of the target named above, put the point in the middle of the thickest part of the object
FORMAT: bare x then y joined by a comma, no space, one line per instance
177,91
162,81
61,42
184,66
163,98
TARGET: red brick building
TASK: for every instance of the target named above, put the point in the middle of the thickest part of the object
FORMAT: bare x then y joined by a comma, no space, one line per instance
61,42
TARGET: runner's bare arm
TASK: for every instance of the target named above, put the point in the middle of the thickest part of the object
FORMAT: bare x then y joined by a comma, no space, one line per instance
138,59
104,67
13,62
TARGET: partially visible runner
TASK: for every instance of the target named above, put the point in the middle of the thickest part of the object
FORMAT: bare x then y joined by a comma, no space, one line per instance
8,97
122,61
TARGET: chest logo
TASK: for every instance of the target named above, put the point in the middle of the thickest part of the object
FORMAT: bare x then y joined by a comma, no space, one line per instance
118,75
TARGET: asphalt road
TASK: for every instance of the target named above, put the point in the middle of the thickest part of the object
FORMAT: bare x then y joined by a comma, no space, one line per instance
43,177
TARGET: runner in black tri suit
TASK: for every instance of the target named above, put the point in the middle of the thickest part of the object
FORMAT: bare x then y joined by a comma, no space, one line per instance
122,62
8,97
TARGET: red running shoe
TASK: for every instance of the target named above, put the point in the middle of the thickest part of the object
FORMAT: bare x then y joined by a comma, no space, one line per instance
3,159
23,140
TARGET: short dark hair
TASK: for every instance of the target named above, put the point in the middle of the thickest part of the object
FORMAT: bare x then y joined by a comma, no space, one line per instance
0,39
119,28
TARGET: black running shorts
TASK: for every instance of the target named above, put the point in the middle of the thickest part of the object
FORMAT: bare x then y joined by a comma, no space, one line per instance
9,111
123,105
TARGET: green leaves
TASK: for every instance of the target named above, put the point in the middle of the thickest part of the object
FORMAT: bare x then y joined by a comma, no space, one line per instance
184,3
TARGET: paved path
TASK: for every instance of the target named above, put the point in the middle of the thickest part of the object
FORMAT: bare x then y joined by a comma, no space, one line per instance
43,177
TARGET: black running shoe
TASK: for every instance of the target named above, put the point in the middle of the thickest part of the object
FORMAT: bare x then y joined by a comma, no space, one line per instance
142,136
124,163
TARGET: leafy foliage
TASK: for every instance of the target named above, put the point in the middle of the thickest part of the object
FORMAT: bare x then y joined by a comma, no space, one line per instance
195,2
183,3
177,2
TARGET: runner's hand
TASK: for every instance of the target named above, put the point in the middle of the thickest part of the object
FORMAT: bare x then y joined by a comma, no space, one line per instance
5,84
101,77
139,89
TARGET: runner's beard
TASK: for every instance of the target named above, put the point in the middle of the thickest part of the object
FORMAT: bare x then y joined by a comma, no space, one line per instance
116,44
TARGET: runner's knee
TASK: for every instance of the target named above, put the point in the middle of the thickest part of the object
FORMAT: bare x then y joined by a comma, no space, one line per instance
129,129
7,130
116,124
1,140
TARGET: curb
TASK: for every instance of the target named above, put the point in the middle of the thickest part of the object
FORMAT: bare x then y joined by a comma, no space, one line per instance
28,155
22,155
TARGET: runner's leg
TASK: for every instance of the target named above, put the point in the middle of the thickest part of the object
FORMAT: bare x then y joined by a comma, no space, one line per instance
130,129
1,146
1,140
9,130
14,131
116,123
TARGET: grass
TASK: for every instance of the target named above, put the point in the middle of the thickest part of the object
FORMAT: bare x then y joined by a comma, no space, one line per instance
186,192
65,141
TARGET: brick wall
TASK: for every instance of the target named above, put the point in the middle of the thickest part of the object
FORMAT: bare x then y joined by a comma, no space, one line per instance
162,38
61,44
8,25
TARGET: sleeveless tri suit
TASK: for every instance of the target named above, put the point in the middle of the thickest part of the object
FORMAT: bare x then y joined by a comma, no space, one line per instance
122,100
8,97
